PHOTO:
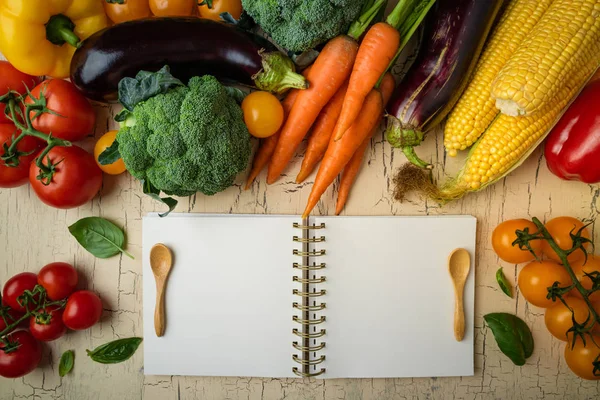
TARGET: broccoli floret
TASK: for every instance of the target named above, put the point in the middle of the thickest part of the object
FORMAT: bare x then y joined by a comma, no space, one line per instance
189,139
299,25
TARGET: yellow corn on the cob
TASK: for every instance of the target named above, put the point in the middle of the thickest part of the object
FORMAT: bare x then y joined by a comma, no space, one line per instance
561,43
475,110
509,140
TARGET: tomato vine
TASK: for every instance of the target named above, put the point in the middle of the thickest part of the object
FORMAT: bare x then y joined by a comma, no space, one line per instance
579,330
35,302
23,121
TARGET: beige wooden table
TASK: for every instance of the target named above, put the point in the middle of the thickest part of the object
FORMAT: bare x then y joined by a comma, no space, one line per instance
32,235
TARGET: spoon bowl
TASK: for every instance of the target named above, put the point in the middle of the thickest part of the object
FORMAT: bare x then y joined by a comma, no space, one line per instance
459,265
161,262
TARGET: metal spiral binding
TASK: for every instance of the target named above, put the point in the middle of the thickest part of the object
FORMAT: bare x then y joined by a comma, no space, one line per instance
308,320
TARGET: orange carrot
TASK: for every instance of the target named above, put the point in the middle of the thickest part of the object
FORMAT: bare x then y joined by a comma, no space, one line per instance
376,51
321,134
349,175
353,167
340,152
267,145
329,72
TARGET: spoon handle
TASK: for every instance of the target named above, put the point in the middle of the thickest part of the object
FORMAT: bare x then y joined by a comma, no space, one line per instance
459,317
159,309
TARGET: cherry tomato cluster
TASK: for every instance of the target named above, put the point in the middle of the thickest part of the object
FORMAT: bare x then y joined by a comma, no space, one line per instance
68,176
539,275
47,304
135,9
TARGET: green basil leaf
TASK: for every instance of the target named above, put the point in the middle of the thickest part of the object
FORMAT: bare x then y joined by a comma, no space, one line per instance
154,193
503,283
208,3
110,154
100,237
116,351
67,360
512,335
145,85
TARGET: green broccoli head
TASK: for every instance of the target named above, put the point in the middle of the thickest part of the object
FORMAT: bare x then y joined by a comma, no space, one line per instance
188,139
299,25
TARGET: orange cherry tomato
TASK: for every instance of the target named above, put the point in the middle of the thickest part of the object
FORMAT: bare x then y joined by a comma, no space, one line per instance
592,264
580,359
559,318
504,235
536,277
170,8
116,168
263,114
560,229
127,11
213,9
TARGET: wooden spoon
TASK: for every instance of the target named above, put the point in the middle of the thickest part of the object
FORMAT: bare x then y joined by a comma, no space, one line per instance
459,264
161,261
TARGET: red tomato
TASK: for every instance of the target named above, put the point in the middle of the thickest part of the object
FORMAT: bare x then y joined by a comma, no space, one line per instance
16,176
76,119
48,325
23,359
83,310
15,286
8,316
59,279
13,79
77,179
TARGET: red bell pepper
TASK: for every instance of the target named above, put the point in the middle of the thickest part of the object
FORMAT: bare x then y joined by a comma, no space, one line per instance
573,146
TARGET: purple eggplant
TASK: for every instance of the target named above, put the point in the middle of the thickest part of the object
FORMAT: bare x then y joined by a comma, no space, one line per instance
455,32
189,46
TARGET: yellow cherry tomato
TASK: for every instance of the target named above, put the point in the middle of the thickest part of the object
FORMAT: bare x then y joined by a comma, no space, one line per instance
212,9
536,277
263,114
170,8
116,168
559,318
581,358
128,10
560,229
504,235
580,268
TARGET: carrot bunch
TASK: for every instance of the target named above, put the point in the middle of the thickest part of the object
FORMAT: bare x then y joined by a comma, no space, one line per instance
349,88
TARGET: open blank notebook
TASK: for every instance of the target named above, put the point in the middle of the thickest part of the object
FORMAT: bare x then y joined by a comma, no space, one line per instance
332,297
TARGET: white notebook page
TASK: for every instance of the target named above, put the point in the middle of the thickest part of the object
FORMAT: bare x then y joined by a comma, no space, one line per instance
390,300
229,297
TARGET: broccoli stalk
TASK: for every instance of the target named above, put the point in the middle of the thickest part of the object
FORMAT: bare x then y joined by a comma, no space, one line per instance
278,74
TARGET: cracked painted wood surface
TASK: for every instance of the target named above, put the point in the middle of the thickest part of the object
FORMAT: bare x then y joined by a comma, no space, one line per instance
32,235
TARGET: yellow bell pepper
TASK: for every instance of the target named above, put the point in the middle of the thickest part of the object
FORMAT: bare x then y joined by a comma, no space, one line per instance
40,37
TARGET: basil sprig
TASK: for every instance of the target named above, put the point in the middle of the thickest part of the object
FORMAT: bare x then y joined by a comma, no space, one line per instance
512,335
116,351
99,236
